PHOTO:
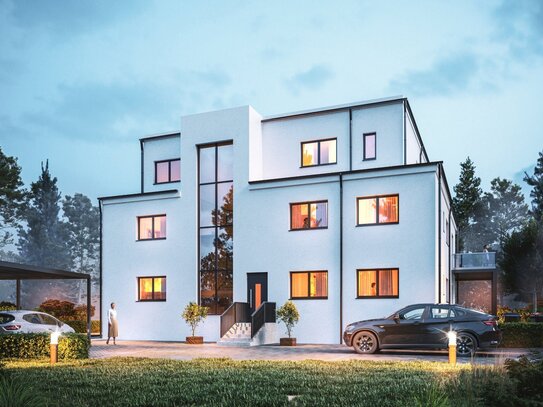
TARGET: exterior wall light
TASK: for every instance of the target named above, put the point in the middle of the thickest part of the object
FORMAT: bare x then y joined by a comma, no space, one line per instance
452,347
54,347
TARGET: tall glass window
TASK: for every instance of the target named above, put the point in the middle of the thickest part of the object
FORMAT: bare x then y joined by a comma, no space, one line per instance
216,210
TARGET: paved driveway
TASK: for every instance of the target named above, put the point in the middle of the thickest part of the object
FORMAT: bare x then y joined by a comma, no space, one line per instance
182,351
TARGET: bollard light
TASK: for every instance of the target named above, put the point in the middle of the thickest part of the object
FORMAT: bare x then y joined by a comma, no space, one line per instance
452,347
54,347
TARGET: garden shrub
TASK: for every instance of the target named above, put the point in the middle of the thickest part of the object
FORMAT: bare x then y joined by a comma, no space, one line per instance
65,310
529,377
81,326
522,335
37,345
7,306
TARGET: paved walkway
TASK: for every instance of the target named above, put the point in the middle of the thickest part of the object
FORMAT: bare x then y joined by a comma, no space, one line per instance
182,351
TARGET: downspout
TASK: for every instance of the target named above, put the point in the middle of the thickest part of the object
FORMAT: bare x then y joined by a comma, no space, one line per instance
439,233
450,254
404,134
340,258
350,139
101,262
142,157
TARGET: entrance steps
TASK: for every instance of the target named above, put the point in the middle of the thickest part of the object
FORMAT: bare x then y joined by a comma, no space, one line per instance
239,335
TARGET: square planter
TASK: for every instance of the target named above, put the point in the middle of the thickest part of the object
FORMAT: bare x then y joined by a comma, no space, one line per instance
195,340
287,341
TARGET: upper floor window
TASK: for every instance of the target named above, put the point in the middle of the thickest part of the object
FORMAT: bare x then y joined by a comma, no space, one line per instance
152,227
309,215
377,210
308,284
378,283
319,152
151,288
370,146
167,171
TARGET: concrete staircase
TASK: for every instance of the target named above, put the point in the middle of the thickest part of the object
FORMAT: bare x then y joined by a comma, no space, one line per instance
239,335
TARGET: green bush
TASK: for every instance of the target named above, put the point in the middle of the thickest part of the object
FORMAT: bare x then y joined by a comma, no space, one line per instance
289,315
522,335
37,345
529,377
7,306
81,326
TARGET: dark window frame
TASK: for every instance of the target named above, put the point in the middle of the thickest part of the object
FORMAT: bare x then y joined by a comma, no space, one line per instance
308,285
319,141
377,296
169,161
377,197
153,289
308,203
364,156
152,227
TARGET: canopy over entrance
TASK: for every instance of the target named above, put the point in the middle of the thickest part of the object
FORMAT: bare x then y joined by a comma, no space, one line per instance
18,272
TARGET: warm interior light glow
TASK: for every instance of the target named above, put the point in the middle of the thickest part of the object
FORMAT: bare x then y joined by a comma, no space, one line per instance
54,337
452,338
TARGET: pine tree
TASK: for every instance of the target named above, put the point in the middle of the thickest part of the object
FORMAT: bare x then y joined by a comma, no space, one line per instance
43,241
467,205
12,198
536,182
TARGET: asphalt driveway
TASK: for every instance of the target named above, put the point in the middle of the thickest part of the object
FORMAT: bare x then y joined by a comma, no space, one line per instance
182,351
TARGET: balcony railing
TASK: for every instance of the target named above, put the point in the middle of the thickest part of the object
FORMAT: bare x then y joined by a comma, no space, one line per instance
475,260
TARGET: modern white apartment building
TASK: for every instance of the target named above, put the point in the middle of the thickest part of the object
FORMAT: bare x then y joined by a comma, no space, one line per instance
338,208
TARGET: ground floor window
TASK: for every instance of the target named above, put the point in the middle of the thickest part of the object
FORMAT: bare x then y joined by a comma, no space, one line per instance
151,288
378,283
476,294
309,284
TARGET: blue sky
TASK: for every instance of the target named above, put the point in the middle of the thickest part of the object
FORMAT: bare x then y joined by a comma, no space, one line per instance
81,81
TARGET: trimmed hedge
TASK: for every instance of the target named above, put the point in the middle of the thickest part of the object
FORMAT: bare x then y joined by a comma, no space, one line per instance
81,326
37,345
522,335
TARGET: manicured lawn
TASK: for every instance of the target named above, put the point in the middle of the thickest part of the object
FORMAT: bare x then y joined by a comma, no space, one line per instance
217,382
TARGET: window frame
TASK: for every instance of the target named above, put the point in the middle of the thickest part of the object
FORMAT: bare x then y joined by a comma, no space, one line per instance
318,141
152,228
364,156
308,203
377,197
308,285
169,161
153,292
377,278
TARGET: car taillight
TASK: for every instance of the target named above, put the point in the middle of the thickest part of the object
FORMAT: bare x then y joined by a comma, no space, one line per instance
12,327
490,323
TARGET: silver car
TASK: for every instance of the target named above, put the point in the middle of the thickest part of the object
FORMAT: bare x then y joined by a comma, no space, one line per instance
30,322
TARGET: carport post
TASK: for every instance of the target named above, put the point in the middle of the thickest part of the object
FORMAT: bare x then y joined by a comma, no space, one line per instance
89,308
18,294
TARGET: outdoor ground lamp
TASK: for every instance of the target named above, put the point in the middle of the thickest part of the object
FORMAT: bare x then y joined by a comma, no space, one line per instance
452,347
54,347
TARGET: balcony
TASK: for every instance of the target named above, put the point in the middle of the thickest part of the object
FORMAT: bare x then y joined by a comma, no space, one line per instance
469,261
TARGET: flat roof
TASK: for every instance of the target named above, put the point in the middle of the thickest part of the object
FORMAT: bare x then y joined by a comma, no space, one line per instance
160,136
335,107
139,194
18,271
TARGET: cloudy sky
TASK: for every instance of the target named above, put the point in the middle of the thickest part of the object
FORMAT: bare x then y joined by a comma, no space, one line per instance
81,81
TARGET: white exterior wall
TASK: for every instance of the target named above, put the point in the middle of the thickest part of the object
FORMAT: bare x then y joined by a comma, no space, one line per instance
157,150
414,154
408,245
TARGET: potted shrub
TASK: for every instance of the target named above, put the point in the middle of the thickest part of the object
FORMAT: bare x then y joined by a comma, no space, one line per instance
289,315
193,314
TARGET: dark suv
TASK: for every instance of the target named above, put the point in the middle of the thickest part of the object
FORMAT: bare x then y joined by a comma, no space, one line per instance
425,326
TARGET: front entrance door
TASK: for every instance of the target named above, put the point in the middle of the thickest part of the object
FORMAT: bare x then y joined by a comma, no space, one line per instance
257,289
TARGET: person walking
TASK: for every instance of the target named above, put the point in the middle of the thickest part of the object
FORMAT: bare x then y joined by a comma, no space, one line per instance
112,324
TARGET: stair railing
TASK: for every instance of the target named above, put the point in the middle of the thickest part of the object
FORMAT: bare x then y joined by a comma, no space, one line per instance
264,313
235,313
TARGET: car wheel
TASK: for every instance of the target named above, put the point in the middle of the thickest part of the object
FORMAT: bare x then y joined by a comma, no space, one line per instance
466,344
365,342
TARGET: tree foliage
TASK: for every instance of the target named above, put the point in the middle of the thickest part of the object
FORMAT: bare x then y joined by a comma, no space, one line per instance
12,197
289,315
194,314
536,182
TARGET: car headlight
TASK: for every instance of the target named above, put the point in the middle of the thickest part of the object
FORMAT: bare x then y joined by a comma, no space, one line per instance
350,328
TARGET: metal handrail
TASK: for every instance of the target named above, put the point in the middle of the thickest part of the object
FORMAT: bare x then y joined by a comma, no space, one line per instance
484,260
235,313
264,313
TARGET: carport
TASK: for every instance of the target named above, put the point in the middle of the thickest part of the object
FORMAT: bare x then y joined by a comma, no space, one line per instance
15,271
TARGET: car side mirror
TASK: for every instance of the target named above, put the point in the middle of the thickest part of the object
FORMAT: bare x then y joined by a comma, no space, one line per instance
396,317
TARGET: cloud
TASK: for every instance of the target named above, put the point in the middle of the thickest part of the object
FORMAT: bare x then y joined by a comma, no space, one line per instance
314,78
445,77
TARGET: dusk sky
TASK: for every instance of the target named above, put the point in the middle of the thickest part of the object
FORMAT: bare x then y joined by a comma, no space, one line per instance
82,81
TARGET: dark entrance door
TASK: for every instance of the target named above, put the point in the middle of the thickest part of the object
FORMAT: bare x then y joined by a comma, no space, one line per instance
257,290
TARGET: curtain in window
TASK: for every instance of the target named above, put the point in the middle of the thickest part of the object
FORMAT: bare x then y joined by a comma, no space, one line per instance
299,216
309,153
146,288
367,283
319,215
388,209
299,283
328,152
160,288
388,282
160,226
367,211
319,284
145,228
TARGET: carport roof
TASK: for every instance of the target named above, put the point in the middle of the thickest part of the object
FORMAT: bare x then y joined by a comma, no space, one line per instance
17,271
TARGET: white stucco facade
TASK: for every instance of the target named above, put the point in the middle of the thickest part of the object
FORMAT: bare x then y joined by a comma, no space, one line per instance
268,176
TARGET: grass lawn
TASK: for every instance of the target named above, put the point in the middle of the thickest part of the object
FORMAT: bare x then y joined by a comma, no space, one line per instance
218,382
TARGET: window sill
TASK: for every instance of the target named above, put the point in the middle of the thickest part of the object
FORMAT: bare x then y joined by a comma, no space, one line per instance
377,297
151,301
317,165
369,159
305,229
307,298
146,240
166,182
377,224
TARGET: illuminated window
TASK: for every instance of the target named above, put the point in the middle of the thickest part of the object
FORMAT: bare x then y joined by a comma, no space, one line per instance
370,147
151,288
319,152
378,210
152,227
309,284
167,171
309,215
378,283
